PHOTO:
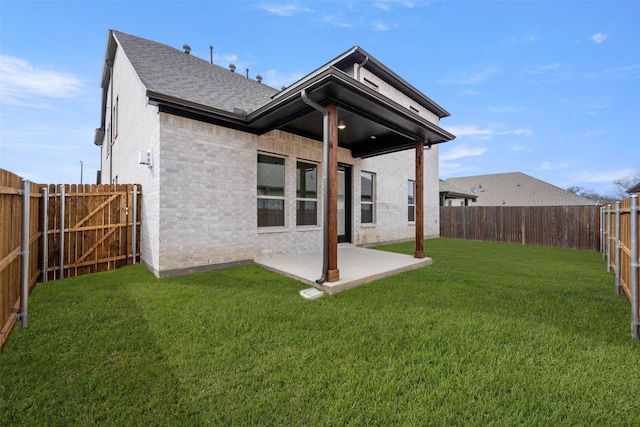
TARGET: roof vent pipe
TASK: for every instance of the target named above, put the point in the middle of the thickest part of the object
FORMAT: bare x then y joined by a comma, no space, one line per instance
187,49
325,183
211,53
232,68
259,78
247,73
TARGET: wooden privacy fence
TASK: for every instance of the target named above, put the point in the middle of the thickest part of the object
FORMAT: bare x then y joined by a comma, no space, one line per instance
71,230
18,250
574,227
620,235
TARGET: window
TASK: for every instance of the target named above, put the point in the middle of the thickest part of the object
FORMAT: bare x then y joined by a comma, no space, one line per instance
270,191
115,118
306,194
411,192
367,198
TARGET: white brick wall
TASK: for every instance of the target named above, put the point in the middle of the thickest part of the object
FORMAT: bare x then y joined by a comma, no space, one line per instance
138,130
208,195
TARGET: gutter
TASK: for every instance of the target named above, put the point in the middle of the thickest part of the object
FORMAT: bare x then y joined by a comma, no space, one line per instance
325,183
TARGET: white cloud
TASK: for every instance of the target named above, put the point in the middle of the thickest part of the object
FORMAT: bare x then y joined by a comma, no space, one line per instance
469,79
487,132
543,69
230,58
385,5
470,130
520,132
599,37
336,21
283,9
522,39
378,25
461,151
604,176
553,166
276,79
19,80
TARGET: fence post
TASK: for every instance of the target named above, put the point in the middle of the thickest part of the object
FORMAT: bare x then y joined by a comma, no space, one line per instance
608,238
135,222
635,266
45,234
618,247
24,253
602,231
61,245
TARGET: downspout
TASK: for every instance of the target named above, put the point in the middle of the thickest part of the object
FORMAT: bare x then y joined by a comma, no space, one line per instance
360,65
325,183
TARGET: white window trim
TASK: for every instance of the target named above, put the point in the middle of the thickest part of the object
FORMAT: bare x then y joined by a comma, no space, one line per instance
412,204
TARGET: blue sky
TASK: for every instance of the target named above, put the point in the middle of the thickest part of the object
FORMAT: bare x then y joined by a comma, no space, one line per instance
550,89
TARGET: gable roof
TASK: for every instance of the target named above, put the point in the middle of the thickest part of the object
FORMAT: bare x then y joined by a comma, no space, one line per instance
517,189
172,73
186,85
448,189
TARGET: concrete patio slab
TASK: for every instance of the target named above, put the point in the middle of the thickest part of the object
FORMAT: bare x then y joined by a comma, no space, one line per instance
357,266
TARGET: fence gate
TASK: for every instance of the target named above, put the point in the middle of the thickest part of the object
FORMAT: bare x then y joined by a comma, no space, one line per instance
90,228
50,232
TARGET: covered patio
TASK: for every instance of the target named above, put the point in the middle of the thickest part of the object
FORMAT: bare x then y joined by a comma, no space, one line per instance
357,266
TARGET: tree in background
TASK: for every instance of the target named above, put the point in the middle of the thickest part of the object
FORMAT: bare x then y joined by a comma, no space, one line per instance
620,193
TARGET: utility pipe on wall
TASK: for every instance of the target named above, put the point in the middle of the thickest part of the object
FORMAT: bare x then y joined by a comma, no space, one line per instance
325,183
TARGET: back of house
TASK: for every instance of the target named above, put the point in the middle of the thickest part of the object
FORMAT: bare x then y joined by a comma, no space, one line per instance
233,170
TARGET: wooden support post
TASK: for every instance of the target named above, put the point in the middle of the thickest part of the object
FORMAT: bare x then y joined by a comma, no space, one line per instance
419,252
333,274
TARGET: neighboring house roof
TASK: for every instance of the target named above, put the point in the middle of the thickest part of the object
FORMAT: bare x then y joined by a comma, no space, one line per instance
635,189
516,189
186,85
450,190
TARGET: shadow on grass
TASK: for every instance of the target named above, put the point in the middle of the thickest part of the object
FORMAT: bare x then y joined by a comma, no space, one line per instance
87,357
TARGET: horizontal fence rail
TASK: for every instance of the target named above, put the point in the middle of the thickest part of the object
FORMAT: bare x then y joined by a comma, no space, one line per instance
72,230
573,227
620,236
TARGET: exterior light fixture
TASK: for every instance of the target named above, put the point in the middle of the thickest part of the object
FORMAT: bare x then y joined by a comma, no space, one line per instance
341,125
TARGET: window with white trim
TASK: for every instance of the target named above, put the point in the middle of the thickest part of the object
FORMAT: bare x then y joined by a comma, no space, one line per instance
411,201
306,193
270,190
367,197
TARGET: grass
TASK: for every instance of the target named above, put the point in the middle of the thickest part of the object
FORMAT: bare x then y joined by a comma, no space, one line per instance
490,334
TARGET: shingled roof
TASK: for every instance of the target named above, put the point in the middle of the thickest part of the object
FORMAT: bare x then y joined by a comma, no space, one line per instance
171,72
516,189
181,84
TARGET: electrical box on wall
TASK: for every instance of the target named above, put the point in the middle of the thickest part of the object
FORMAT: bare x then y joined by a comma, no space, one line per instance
144,157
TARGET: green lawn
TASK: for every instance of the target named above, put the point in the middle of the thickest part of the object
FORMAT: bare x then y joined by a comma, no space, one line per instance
491,333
